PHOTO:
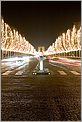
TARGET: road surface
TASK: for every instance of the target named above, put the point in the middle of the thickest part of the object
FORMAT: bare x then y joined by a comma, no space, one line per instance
27,97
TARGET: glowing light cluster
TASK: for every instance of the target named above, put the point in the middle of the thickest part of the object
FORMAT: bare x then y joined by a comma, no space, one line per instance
11,40
69,41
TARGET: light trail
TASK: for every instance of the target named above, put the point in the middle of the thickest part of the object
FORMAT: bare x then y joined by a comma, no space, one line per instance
67,62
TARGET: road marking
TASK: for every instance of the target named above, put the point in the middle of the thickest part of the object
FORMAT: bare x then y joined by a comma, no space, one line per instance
7,72
52,64
75,73
57,66
19,73
62,72
20,67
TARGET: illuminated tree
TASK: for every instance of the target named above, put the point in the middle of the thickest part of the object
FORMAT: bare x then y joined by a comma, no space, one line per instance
73,38
64,41
68,38
69,41
11,40
79,39
2,33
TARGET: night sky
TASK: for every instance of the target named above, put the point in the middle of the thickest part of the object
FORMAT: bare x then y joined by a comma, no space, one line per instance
41,22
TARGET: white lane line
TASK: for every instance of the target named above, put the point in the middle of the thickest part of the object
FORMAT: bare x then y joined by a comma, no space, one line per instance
57,66
52,64
62,73
20,67
75,73
7,72
19,73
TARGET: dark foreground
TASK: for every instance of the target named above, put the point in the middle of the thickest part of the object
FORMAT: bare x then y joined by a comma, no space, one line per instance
41,98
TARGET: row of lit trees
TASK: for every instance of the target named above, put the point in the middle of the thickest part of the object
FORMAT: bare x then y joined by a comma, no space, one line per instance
11,40
66,42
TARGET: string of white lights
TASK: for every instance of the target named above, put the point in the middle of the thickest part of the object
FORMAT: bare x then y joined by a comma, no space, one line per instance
11,40
67,42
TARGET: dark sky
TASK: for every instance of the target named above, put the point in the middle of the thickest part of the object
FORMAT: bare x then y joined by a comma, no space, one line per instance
41,22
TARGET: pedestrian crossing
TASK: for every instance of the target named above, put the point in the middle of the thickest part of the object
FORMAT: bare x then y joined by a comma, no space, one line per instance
14,70
7,73
19,73
75,73
60,72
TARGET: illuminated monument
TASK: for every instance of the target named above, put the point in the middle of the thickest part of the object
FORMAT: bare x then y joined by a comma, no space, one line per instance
41,49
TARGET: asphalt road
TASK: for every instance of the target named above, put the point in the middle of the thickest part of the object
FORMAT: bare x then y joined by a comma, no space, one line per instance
27,97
